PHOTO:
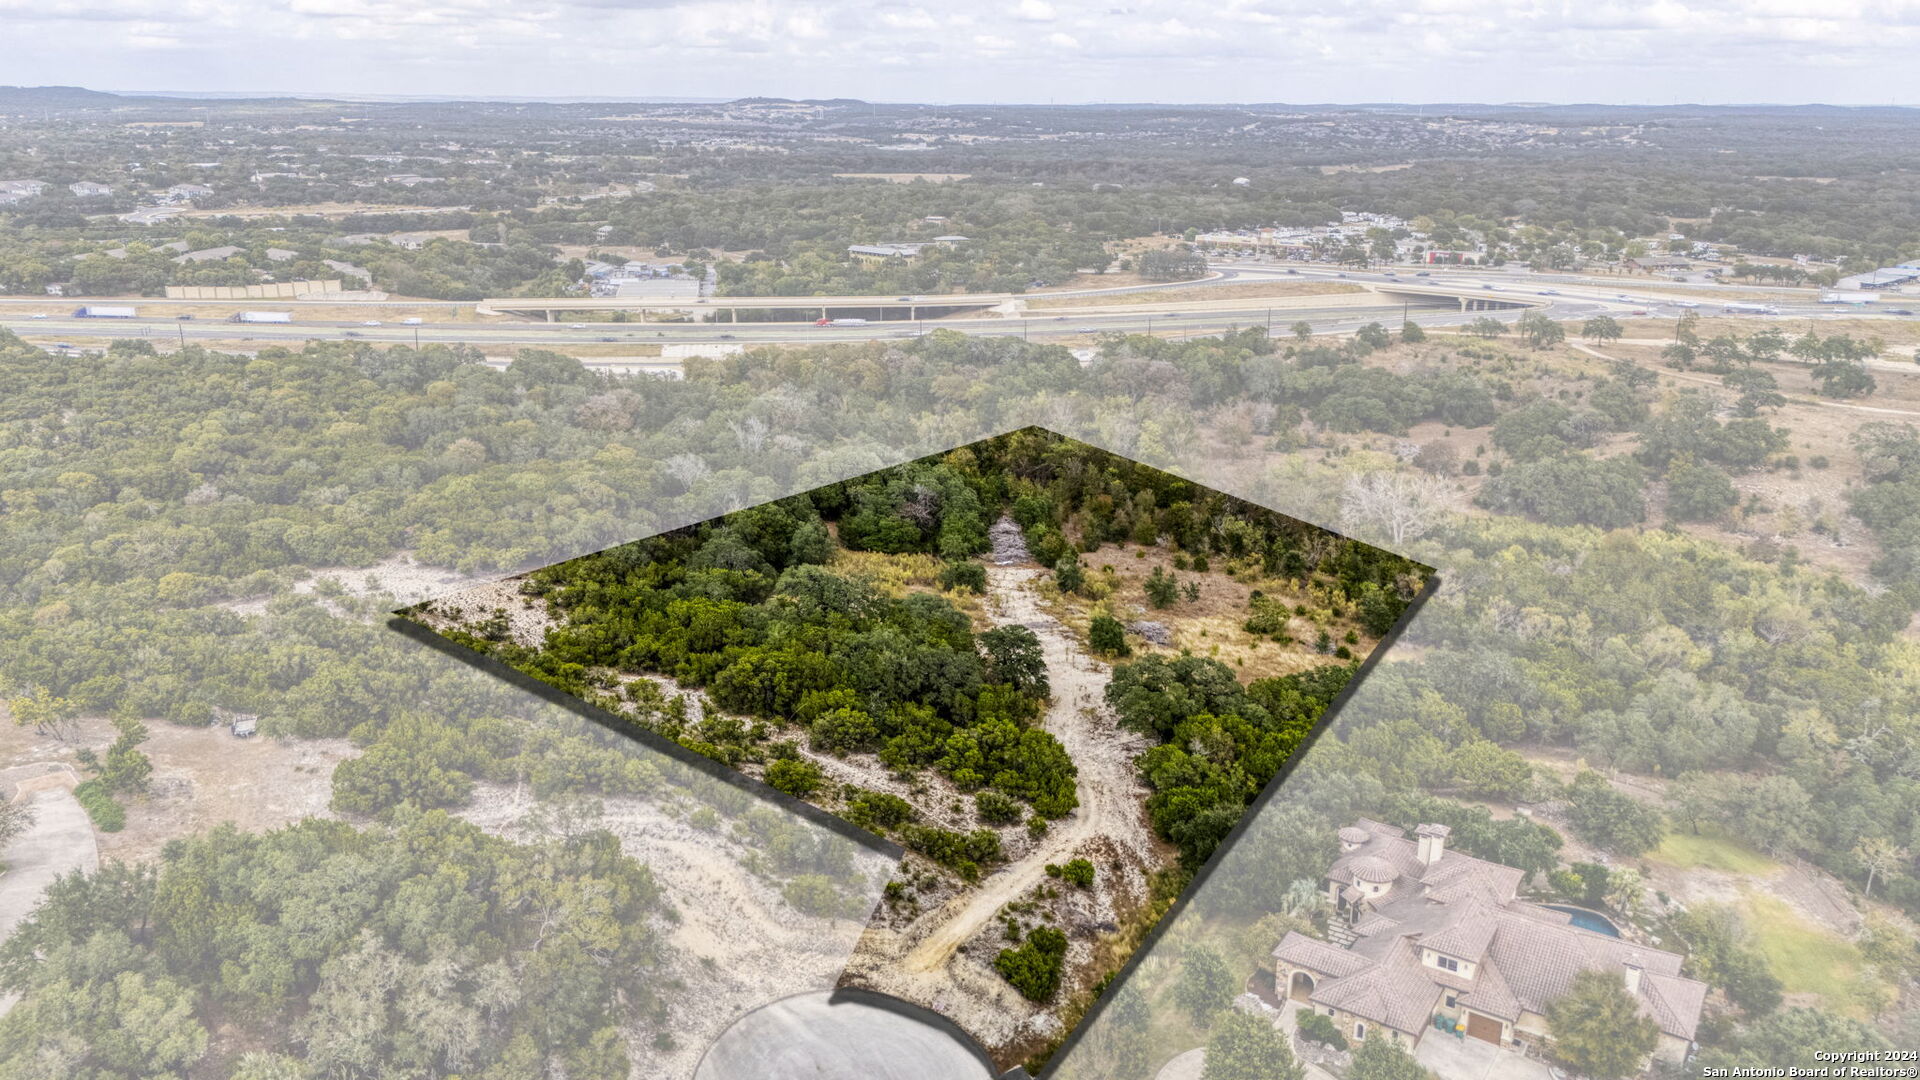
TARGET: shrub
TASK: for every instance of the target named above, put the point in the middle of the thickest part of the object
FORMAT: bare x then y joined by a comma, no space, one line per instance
995,808
1162,589
1068,575
967,575
1318,1028
814,894
1034,967
878,811
107,813
842,730
963,853
795,776
1075,872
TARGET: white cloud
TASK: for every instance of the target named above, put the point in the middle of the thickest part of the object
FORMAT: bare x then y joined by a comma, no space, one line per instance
1621,50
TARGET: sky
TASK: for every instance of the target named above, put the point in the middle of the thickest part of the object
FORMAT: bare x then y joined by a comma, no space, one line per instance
1614,51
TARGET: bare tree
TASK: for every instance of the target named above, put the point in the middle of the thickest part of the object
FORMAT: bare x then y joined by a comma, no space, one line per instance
1879,855
1403,506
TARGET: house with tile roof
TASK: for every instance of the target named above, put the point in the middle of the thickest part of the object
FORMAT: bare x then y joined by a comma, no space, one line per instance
1428,942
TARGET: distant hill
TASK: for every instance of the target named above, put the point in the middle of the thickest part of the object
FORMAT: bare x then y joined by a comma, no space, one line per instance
30,97
796,101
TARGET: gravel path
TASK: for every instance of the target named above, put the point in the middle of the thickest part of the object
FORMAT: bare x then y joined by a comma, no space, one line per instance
1111,794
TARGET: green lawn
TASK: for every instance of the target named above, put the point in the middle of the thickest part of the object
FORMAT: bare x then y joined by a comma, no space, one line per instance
1712,850
1807,959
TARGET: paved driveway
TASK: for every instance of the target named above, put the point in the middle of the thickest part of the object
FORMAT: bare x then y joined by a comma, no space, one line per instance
61,840
816,1037
1475,1059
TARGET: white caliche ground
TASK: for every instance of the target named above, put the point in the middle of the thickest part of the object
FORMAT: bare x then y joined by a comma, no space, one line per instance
738,945
943,959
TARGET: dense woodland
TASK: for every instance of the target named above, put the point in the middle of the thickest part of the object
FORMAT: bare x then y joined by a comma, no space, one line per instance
422,947
146,493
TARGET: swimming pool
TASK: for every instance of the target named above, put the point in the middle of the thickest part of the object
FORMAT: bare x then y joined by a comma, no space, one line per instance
1587,919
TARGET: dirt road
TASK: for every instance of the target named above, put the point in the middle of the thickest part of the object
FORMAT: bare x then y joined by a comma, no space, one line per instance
1110,791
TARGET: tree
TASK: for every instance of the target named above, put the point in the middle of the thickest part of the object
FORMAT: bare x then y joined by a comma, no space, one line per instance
1487,770
1843,378
1164,264
1206,986
1400,506
1411,333
1698,492
1539,330
1373,337
1758,390
1877,855
810,544
1302,330
1380,1058
1013,656
1602,328
46,712
1598,1030
1487,326
1248,1047
1611,819
1107,637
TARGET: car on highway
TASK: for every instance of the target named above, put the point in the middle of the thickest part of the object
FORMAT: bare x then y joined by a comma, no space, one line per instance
183,317
577,326
39,315
1549,292
1424,273
1391,273
726,337
1291,270
1341,274
1638,311
1685,304
1059,318
1491,288
351,333
1899,311
903,299
608,337
371,322
1088,330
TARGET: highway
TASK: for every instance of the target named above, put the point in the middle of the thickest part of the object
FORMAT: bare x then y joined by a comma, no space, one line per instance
1562,297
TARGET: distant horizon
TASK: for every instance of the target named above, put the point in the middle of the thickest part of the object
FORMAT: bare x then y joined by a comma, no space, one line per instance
664,99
